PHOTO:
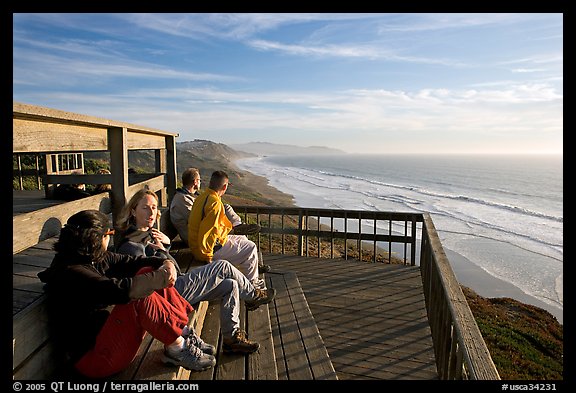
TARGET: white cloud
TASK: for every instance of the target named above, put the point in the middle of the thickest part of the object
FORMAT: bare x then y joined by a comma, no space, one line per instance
59,70
527,70
475,118
99,65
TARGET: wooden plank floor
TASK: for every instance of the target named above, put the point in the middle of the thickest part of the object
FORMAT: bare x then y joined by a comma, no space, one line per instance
372,317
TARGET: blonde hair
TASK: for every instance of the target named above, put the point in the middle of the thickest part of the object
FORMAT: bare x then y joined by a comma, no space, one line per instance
125,218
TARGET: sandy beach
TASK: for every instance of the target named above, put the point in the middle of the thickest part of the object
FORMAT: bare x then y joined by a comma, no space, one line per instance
486,285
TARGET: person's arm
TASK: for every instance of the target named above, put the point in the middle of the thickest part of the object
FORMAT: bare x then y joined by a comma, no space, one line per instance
132,248
121,265
233,217
101,290
123,269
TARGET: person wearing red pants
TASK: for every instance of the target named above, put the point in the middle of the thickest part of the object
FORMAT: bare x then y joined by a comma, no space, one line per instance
102,304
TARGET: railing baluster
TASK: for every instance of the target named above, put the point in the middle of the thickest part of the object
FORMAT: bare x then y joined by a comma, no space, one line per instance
258,222
405,244
282,226
319,245
346,235
20,171
390,242
270,233
359,236
308,234
375,226
331,234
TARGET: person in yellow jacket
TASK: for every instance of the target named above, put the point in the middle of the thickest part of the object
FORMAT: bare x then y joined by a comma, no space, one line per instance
209,228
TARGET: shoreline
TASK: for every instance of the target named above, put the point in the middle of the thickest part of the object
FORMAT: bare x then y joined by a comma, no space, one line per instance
467,273
484,284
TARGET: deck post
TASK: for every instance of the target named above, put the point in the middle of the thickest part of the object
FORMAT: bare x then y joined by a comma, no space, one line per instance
171,172
119,167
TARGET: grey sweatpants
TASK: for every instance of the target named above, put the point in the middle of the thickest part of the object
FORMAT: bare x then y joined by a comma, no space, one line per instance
217,281
242,253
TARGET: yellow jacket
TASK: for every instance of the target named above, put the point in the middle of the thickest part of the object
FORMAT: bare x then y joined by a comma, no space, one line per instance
207,224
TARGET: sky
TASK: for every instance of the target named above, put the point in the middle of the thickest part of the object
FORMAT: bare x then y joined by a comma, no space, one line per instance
362,83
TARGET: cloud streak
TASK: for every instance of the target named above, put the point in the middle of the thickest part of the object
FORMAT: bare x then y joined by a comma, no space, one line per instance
400,81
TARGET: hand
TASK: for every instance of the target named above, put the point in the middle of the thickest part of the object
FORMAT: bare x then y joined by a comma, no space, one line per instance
159,237
173,274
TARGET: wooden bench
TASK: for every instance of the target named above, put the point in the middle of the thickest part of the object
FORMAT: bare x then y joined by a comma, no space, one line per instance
291,347
34,354
147,364
300,350
260,365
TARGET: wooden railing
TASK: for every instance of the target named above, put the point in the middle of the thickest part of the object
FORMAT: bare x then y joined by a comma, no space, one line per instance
44,131
408,238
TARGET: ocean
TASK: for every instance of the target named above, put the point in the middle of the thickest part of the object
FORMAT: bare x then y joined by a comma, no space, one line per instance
504,214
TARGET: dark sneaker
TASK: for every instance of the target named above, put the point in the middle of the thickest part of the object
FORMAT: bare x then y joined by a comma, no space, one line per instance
264,269
194,339
262,296
239,343
246,229
191,358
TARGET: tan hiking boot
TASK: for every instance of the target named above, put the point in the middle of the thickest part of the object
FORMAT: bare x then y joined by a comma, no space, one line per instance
239,343
262,296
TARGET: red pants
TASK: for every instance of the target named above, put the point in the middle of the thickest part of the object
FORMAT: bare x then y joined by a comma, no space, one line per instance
163,314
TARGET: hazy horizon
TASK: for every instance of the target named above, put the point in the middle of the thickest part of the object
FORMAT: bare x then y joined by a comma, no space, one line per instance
489,83
232,145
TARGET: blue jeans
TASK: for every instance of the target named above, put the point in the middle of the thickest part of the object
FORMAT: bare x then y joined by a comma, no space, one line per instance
217,281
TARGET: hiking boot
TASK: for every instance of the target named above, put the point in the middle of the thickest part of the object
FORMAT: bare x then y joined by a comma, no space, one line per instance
239,343
246,229
193,339
190,357
262,296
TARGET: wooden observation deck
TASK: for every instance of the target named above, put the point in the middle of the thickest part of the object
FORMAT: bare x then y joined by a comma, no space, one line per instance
394,311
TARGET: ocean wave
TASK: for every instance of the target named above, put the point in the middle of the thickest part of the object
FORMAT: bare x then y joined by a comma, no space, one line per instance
536,236
474,223
519,194
459,197
333,181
